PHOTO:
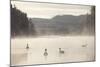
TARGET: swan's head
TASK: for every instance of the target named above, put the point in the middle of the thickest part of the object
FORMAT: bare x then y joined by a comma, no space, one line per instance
45,49
59,48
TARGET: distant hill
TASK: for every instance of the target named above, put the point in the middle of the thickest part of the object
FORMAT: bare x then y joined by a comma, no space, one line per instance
64,25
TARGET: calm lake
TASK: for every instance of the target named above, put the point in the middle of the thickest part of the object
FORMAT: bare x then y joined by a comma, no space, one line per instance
76,49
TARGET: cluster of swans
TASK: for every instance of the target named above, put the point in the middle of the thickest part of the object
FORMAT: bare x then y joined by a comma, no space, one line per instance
45,51
60,50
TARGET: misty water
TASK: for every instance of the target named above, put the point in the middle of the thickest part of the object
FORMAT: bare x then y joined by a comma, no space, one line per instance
76,49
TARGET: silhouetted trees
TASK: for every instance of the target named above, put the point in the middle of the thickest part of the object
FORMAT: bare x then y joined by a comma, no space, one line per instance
32,30
93,18
91,21
20,25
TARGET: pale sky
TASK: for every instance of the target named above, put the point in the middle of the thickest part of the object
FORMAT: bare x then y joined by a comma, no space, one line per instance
48,10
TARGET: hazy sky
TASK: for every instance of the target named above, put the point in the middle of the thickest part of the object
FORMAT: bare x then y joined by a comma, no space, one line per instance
47,10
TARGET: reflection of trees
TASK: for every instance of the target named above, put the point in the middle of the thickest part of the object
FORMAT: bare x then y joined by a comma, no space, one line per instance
20,25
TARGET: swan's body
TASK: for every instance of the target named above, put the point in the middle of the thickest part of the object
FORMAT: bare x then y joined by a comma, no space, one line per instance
85,45
61,51
27,47
45,53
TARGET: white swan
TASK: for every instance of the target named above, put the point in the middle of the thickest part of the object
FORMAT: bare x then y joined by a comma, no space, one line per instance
85,45
45,53
61,51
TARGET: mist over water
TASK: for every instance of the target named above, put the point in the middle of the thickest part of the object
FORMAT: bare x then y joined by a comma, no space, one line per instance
71,45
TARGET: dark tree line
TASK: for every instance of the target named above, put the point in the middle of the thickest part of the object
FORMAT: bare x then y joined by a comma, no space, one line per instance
91,21
20,24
